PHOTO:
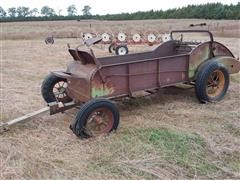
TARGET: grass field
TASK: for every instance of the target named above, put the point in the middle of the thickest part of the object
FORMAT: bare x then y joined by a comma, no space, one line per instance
167,135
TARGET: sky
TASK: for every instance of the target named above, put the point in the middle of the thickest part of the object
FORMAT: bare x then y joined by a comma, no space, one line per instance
108,6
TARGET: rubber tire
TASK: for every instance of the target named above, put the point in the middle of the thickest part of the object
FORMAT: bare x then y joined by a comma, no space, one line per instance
201,82
121,46
81,118
47,88
111,48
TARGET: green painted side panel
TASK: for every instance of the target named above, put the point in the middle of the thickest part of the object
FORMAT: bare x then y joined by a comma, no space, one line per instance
199,55
101,90
202,53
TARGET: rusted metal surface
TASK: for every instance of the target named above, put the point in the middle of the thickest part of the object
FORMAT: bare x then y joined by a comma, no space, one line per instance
78,77
197,56
232,65
221,50
131,76
203,51
56,107
99,121
170,63
92,41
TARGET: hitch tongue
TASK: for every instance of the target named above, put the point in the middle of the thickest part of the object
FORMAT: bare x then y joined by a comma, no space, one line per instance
56,107
4,127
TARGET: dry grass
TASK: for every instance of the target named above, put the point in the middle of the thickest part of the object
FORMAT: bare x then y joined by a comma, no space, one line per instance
70,29
162,136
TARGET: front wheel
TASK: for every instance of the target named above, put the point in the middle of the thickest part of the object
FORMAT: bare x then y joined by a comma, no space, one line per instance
121,50
212,82
54,89
96,117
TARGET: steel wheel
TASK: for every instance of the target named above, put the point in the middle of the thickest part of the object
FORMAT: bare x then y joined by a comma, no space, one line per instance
121,37
59,90
105,37
136,38
96,117
215,84
54,89
151,38
99,122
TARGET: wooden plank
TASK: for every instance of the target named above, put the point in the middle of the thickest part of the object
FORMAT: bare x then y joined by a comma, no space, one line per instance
4,126
60,108
27,116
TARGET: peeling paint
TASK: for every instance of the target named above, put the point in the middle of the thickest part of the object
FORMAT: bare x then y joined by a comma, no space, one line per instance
101,90
198,56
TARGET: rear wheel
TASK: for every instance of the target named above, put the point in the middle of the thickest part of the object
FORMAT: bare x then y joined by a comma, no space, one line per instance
212,82
54,89
111,48
96,117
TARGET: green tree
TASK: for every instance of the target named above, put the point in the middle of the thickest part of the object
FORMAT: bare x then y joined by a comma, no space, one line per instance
33,12
2,12
12,12
203,11
22,11
86,10
72,10
47,11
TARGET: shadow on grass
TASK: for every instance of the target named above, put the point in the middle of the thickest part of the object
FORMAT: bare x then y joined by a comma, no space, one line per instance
162,96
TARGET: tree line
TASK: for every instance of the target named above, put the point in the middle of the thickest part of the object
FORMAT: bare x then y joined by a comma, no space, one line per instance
204,11
45,11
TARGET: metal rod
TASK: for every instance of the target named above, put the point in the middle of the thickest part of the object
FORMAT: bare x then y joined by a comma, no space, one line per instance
193,31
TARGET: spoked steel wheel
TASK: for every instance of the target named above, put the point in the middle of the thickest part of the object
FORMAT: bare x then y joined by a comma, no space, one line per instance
136,38
96,117
54,89
99,122
59,91
215,84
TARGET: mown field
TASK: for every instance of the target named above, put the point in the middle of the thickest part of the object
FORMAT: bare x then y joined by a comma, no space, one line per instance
167,135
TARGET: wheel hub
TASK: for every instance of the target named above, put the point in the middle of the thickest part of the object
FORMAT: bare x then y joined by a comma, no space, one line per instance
215,84
122,51
100,121
59,90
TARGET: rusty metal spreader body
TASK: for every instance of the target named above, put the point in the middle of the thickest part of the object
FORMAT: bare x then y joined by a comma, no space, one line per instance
92,81
170,63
